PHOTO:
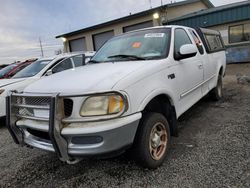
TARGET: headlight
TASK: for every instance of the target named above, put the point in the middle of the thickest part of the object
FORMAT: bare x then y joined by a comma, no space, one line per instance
1,91
106,104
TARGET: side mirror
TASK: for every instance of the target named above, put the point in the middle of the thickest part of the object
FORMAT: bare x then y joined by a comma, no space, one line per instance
187,51
49,72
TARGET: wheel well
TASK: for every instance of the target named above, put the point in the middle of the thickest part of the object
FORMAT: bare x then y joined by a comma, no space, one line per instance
162,104
221,71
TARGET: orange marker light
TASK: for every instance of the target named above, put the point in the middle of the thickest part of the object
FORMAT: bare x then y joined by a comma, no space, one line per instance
116,104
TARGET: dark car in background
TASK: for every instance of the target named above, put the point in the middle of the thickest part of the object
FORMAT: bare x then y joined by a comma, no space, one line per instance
12,69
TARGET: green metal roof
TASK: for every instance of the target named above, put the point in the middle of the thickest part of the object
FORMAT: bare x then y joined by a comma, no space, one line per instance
214,16
133,16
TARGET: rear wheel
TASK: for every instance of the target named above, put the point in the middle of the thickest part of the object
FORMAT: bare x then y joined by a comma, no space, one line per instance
152,140
216,93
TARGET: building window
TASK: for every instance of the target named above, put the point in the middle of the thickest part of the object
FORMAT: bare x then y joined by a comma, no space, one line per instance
239,33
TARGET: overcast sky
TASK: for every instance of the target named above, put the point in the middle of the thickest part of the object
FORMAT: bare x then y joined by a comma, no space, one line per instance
22,22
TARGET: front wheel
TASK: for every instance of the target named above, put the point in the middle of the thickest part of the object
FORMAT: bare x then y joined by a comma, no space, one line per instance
152,140
216,93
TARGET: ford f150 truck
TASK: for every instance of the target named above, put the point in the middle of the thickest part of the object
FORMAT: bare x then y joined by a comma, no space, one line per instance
127,98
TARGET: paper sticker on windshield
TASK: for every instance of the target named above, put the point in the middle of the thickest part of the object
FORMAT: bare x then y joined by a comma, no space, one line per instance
136,45
154,35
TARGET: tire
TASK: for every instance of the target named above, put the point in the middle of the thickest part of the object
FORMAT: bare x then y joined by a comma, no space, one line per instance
152,140
216,93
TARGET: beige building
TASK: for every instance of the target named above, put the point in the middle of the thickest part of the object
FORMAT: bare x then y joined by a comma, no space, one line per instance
92,38
231,20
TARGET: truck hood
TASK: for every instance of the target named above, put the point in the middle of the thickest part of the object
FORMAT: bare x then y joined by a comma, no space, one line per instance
86,79
6,82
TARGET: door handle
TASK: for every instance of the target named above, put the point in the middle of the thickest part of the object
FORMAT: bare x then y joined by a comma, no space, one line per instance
200,66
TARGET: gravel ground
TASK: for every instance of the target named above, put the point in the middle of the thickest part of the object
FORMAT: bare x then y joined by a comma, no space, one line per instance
212,150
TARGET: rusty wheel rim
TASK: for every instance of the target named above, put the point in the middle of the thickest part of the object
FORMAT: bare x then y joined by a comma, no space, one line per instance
158,141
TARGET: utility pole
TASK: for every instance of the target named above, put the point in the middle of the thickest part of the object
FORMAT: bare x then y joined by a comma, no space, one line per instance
41,46
150,3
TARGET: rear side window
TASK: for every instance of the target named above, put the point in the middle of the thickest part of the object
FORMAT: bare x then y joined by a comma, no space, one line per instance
197,41
214,42
180,38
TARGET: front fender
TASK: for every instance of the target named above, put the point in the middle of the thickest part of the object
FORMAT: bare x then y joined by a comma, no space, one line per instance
155,93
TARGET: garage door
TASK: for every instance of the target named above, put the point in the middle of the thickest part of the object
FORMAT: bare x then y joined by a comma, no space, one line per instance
77,45
101,38
138,26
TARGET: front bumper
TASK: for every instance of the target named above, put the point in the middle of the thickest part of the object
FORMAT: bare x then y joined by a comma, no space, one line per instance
76,140
84,141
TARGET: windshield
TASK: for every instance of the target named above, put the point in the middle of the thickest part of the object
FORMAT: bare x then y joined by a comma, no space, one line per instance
139,45
6,70
32,69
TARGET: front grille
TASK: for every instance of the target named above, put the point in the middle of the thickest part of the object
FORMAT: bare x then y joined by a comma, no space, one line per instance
31,107
68,107
34,101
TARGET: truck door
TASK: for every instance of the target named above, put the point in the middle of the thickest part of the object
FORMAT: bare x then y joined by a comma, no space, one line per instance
189,72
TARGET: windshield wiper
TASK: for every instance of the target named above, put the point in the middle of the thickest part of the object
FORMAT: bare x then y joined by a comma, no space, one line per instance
127,56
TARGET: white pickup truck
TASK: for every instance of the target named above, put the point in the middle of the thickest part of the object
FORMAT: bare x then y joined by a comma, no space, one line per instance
129,96
39,69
